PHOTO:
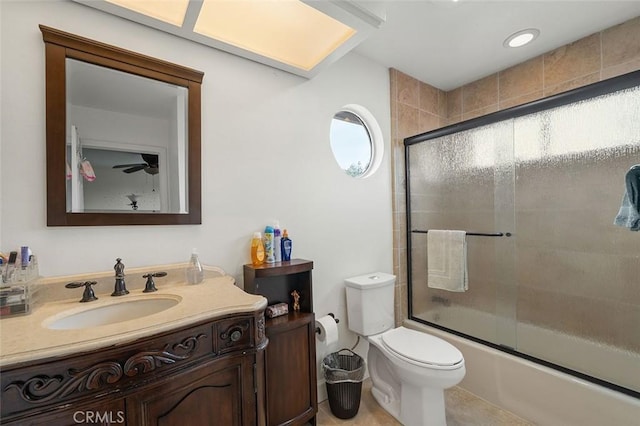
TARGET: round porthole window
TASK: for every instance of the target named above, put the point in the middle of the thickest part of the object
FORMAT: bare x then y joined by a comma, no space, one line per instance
356,141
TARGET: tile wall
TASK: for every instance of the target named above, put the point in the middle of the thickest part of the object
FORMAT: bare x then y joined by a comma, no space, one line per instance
417,107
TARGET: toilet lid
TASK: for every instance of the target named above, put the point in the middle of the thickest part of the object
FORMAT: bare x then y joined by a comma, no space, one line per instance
421,347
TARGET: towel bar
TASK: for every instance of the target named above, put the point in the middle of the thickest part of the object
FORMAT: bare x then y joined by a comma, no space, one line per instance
481,234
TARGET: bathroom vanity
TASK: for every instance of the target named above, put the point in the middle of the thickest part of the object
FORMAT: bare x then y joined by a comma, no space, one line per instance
198,362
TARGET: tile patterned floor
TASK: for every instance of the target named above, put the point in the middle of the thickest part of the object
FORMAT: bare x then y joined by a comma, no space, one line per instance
463,409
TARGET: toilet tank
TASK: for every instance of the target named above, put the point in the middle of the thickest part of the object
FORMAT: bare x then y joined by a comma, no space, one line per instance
370,303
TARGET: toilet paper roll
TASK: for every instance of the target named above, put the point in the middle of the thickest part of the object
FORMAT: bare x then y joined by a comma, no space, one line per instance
328,330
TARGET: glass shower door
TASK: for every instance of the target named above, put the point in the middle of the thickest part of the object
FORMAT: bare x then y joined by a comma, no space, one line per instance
578,274
564,288
464,181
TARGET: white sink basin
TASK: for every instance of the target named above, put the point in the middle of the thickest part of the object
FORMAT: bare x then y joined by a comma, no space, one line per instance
111,314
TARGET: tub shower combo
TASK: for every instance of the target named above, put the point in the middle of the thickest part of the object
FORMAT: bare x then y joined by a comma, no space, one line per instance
551,279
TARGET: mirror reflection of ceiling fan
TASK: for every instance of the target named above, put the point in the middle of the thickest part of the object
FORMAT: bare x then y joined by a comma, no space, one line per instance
150,165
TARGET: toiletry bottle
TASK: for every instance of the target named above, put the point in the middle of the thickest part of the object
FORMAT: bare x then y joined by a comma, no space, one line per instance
24,256
257,249
277,238
269,251
286,246
194,272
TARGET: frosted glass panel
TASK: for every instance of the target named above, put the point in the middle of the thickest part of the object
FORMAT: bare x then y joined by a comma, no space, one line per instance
564,288
453,186
576,270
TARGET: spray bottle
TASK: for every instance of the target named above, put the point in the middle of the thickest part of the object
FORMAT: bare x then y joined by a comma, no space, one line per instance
277,238
269,251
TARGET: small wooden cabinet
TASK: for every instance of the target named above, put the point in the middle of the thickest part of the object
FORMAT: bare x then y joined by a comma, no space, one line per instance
290,357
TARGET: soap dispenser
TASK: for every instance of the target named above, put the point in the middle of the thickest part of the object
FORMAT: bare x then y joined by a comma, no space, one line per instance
194,271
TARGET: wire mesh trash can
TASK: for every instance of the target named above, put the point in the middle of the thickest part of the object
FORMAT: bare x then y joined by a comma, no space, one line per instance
344,373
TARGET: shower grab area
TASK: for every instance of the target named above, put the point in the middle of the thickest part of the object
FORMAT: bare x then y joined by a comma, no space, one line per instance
536,188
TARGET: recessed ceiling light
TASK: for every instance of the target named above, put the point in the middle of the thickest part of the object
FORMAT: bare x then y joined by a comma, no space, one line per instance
521,38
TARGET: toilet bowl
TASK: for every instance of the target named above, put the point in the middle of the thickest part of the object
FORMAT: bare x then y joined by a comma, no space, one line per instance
409,369
410,385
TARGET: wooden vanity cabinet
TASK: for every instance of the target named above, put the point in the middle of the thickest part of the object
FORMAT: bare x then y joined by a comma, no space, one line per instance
290,367
203,374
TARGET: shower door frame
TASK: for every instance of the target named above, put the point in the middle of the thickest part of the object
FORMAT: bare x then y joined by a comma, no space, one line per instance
593,90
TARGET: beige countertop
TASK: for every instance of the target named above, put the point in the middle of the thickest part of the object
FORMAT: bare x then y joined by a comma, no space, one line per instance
27,337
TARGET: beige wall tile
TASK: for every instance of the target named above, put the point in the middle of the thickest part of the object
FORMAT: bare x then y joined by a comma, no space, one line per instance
408,121
393,85
408,90
572,61
621,43
429,99
521,100
480,112
399,177
480,93
522,79
572,84
619,69
393,91
454,102
442,103
453,120
428,121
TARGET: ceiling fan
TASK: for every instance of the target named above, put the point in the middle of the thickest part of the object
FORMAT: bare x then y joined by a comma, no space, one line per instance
150,165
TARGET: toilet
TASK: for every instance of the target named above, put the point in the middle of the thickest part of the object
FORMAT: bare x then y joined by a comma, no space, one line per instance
409,370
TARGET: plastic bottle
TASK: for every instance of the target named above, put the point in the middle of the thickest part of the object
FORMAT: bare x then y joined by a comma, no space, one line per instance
194,271
269,251
257,249
286,245
277,248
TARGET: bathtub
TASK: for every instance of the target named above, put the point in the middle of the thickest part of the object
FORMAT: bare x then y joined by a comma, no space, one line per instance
535,392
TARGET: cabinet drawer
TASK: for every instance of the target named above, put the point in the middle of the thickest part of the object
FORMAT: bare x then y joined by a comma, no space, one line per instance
234,334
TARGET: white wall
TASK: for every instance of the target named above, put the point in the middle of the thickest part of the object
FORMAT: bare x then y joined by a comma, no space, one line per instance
265,156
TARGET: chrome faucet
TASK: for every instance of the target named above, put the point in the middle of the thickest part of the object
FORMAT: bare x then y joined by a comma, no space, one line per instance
121,287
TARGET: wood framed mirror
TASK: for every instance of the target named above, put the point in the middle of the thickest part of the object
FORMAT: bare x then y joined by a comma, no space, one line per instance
122,136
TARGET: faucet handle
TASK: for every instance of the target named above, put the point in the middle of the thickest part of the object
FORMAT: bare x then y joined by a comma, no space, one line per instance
88,295
119,268
150,286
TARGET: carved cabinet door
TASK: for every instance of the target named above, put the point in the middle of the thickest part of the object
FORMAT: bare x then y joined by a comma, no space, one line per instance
209,395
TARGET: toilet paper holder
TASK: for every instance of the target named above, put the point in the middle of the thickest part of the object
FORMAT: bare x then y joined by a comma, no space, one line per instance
332,316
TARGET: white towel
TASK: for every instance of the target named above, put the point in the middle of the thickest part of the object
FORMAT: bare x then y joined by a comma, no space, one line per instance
447,252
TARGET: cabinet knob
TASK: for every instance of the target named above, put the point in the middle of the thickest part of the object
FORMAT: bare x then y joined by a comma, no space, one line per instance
236,335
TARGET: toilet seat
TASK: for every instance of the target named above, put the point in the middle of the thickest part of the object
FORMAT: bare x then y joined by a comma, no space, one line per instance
421,348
